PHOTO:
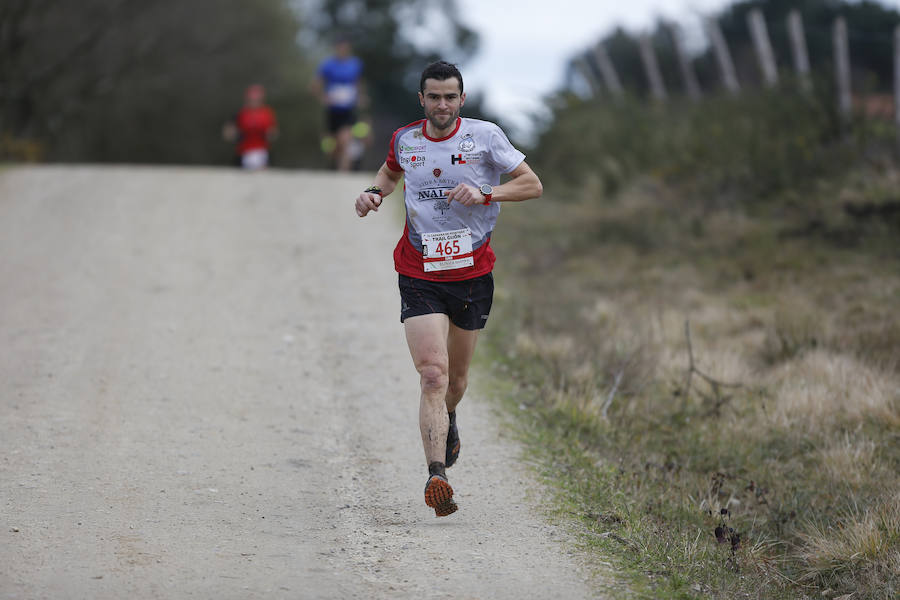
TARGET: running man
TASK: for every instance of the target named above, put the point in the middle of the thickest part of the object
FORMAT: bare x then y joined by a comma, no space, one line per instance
452,169
338,85
254,128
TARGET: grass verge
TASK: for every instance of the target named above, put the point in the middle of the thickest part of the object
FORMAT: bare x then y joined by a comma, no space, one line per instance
713,393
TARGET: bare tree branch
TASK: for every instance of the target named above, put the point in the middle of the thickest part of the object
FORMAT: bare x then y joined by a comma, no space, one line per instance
718,399
612,392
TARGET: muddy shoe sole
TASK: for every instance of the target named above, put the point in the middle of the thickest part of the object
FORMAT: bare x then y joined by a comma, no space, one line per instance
439,496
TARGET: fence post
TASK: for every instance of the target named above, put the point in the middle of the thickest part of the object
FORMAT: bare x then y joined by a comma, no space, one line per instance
651,67
764,54
684,64
607,70
583,67
842,67
798,48
723,57
897,81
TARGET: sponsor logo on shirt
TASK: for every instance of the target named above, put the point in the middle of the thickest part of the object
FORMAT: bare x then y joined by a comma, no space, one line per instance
412,148
467,144
431,193
440,206
414,161
465,158
442,182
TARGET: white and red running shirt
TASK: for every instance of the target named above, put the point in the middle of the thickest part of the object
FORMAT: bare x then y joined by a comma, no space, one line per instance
446,241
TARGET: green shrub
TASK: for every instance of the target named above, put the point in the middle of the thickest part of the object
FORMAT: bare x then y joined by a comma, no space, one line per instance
724,149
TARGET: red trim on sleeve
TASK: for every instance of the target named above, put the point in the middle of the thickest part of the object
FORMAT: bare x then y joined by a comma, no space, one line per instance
391,160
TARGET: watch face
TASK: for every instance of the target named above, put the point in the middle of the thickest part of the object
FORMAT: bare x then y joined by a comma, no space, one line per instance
486,189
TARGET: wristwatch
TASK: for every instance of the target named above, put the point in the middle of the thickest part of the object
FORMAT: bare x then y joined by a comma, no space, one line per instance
487,191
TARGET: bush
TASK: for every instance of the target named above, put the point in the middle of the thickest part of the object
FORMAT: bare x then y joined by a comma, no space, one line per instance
724,149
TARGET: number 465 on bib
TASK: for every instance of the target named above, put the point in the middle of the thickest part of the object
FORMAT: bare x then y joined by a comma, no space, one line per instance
445,250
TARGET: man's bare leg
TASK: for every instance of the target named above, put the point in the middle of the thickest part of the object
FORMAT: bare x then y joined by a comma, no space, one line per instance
426,336
460,348
342,139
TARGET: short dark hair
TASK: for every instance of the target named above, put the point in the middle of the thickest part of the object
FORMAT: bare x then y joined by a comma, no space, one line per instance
440,70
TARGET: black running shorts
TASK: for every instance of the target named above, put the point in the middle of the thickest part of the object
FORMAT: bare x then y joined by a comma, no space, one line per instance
338,118
467,303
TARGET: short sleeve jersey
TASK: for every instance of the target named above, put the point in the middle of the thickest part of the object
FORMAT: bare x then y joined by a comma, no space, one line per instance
254,125
476,152
341,79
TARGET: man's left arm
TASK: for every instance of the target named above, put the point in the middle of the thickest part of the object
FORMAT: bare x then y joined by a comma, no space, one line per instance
523,185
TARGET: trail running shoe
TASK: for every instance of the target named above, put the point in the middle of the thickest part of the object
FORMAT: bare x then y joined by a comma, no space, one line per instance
439,496
453,443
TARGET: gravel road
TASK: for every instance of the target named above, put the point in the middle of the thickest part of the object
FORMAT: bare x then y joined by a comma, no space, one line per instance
206,393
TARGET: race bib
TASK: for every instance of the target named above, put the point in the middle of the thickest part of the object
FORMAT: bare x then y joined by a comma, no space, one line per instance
342,94
445,250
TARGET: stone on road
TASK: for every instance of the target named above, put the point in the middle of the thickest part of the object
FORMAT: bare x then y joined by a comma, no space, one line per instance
206,393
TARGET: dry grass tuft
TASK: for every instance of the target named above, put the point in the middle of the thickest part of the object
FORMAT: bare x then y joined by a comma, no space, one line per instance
797,327
866,544
588,369
850,461
822,387
722,339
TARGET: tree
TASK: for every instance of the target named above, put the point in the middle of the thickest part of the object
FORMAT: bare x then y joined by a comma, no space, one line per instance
129,80
395,40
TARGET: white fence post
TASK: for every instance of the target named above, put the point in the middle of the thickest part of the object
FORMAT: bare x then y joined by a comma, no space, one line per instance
723,57
764,54
587,73
798,48
842,67
684,64
607,70
651,67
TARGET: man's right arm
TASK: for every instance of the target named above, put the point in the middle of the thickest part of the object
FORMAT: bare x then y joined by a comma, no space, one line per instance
386,179
230,129
317,87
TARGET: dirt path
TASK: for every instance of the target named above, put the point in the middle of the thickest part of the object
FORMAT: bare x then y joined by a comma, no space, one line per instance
206,393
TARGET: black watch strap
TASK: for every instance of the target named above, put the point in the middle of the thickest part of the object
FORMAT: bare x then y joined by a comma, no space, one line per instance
374,189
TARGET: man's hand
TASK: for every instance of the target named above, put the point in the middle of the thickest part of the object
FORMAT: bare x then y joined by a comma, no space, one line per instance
367,201
229,131
466,195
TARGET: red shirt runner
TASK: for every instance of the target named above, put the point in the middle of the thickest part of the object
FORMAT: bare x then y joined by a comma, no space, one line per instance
254,125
